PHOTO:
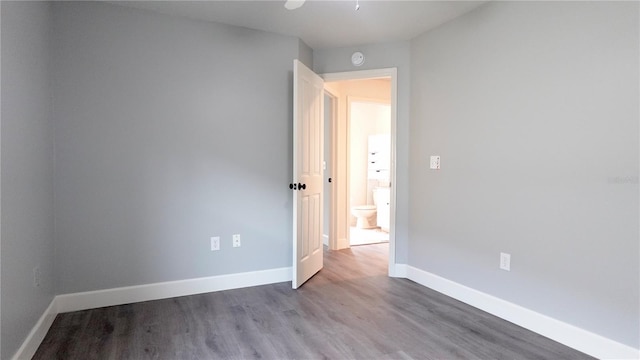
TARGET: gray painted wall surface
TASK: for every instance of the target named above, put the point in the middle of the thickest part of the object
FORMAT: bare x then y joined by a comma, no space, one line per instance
27,170
533,108
168,131
305,54
379,56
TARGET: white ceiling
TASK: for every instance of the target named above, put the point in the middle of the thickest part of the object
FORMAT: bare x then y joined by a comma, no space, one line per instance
322,23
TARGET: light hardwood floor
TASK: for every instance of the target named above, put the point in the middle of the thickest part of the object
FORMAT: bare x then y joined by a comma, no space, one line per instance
350,310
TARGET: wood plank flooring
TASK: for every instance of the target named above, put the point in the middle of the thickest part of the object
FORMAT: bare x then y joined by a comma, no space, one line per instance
350,310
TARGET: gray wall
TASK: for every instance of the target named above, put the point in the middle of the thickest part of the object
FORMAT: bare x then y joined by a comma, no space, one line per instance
533,108
378,56
27,170
305,54
168,131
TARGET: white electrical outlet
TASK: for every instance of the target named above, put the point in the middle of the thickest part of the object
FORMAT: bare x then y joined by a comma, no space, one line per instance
505,261
434,162
37,276
215,243
236,240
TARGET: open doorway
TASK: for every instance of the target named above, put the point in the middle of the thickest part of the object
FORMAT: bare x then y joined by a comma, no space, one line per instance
369,125
360,159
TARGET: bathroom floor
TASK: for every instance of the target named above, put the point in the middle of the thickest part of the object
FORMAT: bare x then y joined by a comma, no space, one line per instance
359,236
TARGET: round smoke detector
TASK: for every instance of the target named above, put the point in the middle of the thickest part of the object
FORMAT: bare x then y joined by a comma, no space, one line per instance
357,58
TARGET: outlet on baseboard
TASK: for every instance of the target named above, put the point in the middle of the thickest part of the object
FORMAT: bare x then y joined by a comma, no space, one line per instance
505,261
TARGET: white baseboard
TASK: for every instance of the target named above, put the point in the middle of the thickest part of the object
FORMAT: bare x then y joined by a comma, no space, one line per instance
325,240
569,335
37,334
398,271
572,336
132,294
164,290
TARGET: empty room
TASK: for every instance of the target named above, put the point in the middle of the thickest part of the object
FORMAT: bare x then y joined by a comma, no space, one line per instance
177,179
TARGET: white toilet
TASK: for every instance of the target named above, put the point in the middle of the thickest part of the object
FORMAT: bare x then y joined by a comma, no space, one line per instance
364,213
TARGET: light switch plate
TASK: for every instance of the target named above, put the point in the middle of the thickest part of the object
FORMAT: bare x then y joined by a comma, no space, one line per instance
434,162
505,261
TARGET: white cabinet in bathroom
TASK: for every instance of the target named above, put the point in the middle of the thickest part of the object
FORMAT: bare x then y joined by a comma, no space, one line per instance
379,157
378,175
383,204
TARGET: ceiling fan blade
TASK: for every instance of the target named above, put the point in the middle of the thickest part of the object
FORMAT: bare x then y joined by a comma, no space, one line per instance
293,4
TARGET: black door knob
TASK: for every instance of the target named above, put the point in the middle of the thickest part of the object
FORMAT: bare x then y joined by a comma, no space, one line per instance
291,186
329,179
302,186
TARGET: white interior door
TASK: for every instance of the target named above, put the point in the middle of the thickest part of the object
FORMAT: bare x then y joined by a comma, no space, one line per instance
308,138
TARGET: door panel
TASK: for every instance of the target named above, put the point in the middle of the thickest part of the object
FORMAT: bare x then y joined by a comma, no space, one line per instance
308,141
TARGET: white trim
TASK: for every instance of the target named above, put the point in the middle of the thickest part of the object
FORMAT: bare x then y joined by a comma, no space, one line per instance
132,294
37,334
325,239
376,74
169,289
360,74
399,271
569,335
333,194
572,336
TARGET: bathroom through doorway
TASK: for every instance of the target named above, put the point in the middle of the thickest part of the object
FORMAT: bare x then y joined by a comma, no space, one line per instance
369,164
360,121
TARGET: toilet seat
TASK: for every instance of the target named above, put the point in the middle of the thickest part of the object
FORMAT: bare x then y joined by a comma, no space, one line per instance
365,207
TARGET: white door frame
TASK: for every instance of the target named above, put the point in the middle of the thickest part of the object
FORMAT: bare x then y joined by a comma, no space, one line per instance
333,195
391,73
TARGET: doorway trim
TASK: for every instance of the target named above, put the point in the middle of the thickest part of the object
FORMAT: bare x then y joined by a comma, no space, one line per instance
333,200
343,208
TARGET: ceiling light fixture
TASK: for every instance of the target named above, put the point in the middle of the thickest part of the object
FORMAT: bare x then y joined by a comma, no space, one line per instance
293,4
